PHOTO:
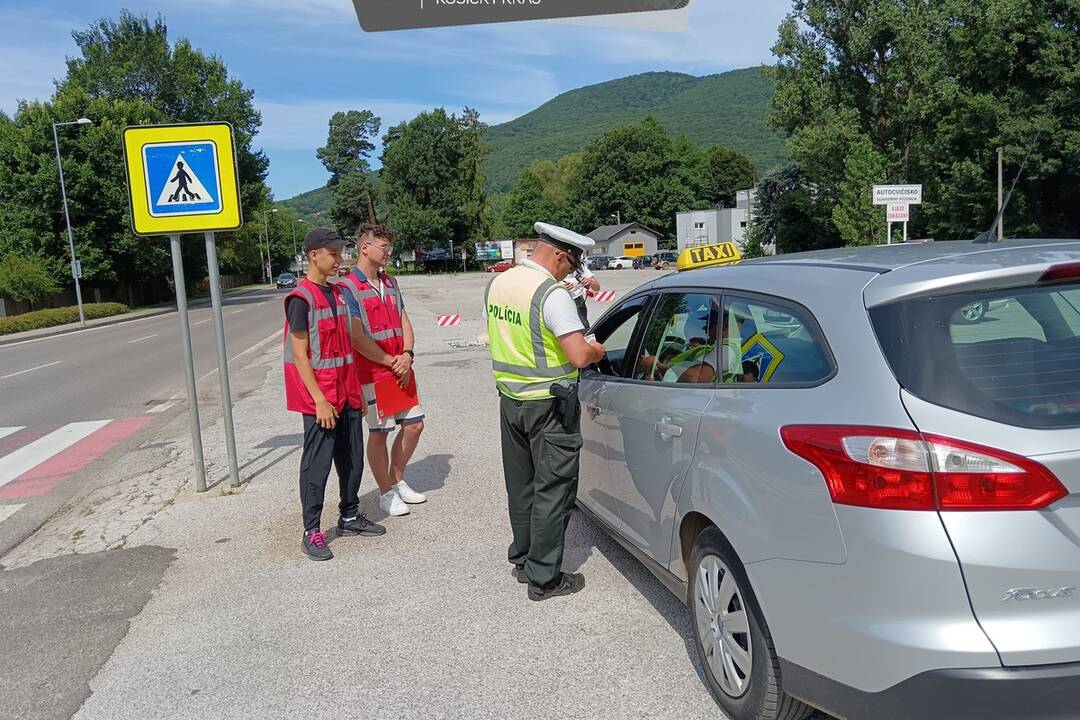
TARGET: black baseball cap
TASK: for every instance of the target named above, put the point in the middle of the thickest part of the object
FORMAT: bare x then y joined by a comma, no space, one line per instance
323,238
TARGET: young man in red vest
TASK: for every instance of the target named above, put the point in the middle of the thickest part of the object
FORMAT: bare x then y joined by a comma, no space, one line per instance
383,339
320,383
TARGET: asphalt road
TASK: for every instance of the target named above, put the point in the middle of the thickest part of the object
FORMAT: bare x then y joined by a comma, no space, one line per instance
123,370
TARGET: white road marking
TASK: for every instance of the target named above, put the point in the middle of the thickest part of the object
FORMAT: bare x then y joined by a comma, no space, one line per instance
180,395
132,342
15,464
7,511
87,330
237,311
23,372
202,322
5,431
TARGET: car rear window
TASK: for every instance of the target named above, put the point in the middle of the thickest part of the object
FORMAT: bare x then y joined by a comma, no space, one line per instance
1010,355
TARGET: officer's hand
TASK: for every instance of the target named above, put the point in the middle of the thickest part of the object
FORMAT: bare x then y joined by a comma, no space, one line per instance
598,350
325,414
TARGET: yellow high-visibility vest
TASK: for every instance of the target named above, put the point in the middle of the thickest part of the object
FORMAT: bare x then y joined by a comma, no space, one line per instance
526,356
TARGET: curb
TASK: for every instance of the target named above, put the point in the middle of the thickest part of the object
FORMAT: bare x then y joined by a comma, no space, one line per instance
106,322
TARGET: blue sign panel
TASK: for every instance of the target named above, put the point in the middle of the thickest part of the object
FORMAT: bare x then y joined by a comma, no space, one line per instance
182,178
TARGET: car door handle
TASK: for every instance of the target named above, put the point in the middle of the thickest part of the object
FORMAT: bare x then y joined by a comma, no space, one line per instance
667,429
593,410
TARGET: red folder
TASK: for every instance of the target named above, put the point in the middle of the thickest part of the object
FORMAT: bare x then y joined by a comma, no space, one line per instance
391,398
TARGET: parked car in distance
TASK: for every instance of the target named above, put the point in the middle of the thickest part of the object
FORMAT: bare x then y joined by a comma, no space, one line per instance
501,266
868,498
976,311
621,263
598,262
286,280
665,259
643,262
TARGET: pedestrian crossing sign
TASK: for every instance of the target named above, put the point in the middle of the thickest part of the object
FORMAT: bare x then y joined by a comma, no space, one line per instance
182,178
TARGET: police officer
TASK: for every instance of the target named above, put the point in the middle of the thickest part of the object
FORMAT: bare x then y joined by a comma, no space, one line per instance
537,346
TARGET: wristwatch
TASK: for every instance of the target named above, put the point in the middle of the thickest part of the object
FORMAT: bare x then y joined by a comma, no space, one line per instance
411,354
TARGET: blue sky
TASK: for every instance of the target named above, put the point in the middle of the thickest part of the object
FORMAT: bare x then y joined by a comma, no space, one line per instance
306,59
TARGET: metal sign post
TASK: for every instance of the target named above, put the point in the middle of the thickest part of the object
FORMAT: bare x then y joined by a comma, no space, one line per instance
184,179
223,357
189,364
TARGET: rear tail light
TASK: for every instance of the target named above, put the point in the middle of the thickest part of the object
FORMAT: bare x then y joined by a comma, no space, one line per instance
897,469
1064,271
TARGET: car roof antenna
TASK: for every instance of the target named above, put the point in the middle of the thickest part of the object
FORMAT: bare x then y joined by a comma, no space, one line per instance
990,236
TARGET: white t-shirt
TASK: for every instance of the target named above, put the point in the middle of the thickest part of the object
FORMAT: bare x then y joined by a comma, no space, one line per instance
560,312
575,281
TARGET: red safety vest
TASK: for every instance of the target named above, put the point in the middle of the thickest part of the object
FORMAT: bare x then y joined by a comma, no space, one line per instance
381,318
330,352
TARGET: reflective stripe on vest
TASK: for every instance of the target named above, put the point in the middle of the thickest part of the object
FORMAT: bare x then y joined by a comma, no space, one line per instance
330,353
318,362
377,311
527,357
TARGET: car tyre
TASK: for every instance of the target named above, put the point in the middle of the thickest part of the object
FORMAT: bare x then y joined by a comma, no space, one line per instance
665,265
718,580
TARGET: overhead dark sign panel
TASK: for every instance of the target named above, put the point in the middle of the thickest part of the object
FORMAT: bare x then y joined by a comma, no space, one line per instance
378,15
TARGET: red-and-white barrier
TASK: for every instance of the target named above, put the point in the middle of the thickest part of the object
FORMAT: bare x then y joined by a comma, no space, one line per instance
447,320
602,296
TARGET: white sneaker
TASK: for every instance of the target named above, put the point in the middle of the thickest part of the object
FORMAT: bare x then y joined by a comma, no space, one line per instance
391,504
409,495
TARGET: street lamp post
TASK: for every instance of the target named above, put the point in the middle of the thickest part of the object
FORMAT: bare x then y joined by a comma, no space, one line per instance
75,269
266,234
296,257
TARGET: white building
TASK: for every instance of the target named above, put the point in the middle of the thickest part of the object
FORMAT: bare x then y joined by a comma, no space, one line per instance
708,227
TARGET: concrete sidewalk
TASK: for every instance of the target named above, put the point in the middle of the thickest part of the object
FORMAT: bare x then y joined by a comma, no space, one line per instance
137,314
424,622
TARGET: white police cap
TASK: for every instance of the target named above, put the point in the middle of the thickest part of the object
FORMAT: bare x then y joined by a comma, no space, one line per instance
563,238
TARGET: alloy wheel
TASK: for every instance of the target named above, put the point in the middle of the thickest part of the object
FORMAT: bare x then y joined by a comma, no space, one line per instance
723,626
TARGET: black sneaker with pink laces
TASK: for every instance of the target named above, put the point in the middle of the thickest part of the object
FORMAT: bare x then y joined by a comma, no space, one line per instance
315,546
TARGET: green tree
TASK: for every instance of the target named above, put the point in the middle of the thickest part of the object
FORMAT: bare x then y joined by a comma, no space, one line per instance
754,247
726,172
429,180
528,204
639,171
856,218
26,278
346,157
126,73
925,92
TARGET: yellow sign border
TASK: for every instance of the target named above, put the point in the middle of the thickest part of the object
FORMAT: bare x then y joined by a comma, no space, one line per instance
136,137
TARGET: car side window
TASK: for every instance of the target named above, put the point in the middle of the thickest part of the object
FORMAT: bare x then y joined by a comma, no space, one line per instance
681,341
616,332
772,343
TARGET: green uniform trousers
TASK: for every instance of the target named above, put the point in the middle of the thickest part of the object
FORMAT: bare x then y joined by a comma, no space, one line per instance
540,463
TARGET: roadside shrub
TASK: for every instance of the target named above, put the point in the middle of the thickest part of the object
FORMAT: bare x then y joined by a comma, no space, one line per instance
58,316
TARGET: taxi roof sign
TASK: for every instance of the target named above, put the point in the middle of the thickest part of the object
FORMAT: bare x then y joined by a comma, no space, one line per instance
182,178
707,255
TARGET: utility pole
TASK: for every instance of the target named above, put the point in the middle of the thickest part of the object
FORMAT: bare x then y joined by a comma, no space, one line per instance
1001,223
76,267
266,234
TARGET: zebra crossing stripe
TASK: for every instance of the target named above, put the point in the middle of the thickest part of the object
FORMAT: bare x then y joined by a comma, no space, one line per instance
5,431
16,463
7,511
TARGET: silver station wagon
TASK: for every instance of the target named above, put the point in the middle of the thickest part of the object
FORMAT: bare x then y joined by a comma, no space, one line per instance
867,495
